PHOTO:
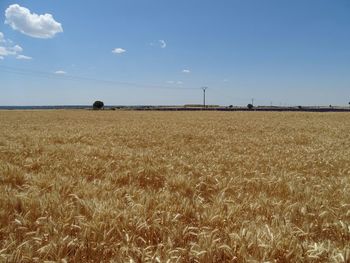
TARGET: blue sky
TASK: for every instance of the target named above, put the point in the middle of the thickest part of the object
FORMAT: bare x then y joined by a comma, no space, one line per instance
292,52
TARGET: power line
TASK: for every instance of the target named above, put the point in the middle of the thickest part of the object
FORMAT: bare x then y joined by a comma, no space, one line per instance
43,74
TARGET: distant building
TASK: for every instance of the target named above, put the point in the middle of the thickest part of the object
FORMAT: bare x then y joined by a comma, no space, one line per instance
200,106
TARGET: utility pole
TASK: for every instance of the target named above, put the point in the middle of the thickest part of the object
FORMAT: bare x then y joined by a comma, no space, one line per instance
204,88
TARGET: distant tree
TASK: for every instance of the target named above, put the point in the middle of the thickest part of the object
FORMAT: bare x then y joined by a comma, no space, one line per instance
98,105
250,106
231,106
300,107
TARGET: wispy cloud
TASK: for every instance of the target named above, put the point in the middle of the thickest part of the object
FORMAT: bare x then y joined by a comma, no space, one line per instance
172,82
162,43
31,24
8,49
118,50
60,72
186,71
23,57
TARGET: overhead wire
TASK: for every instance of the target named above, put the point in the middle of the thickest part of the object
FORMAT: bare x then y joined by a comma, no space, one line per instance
52,75
115,83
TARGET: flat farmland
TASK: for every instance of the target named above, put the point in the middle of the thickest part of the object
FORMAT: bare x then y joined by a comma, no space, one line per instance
126,186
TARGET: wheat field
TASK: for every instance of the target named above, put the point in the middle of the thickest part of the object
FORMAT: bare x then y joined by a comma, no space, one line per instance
127,186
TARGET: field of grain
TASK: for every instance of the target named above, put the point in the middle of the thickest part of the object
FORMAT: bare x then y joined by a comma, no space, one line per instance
119,186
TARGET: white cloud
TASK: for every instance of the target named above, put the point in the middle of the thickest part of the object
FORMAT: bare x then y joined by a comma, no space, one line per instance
60,72
172,82
6,50
162,43
187,71
17,49
23,57
118,50
31,24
